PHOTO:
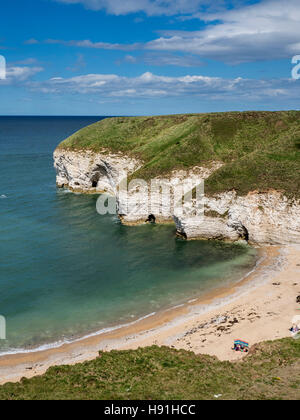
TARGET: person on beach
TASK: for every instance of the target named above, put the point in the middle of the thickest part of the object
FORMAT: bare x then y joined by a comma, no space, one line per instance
295,329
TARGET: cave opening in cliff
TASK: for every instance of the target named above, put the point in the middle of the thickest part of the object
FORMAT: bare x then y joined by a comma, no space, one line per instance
99,172
246,234
151,218
95,180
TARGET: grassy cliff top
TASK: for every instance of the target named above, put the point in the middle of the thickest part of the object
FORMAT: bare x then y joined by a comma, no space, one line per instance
153,373
260,150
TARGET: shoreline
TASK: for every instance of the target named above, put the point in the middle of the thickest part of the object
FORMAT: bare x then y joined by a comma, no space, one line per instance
202,325
211,294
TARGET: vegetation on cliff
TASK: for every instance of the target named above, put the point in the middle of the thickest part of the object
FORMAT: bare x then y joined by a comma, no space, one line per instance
260,150
272,371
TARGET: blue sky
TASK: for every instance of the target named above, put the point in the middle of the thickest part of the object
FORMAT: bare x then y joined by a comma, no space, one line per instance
138,57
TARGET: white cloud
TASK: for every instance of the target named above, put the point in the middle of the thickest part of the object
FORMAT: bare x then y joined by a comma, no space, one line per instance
164,59
152,7
86,43
149,85
17,74
264,31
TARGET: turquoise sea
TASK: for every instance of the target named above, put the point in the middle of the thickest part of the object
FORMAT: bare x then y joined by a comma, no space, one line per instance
66,271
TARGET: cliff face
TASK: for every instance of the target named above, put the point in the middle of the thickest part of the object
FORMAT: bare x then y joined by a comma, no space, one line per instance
261,218
85,171
138,204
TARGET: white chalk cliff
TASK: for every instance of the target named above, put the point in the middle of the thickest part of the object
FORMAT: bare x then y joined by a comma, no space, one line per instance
86,171
260,218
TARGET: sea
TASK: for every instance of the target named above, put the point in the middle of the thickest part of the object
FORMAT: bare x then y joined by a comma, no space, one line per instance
66,271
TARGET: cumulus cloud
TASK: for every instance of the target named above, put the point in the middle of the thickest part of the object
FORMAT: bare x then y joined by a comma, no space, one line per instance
18,74
149,85
267,30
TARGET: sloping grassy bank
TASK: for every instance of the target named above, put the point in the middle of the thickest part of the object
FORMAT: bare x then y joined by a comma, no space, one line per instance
271,371
260,150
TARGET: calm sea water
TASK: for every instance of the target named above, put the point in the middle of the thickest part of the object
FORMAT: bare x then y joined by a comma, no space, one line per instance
65,271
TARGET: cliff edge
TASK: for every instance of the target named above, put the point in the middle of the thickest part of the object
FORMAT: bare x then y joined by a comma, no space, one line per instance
250,162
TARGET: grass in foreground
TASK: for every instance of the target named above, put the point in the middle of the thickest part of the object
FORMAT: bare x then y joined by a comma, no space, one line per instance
272,371
260,150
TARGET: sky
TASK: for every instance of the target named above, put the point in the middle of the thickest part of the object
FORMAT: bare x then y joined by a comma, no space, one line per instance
148,57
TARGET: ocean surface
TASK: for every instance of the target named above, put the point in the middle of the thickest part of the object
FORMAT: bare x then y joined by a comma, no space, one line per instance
66,271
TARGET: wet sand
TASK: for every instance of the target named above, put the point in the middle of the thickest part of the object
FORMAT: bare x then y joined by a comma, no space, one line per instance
260,307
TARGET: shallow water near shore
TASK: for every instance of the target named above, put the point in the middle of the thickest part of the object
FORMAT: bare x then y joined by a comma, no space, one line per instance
65,271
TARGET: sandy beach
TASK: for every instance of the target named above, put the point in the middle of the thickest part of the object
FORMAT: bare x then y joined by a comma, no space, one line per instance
260,307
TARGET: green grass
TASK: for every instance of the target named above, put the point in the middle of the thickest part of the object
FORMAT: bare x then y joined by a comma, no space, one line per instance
260,150
272,371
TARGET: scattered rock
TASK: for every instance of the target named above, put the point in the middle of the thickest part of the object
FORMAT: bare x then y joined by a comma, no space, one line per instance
221,328
234,321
